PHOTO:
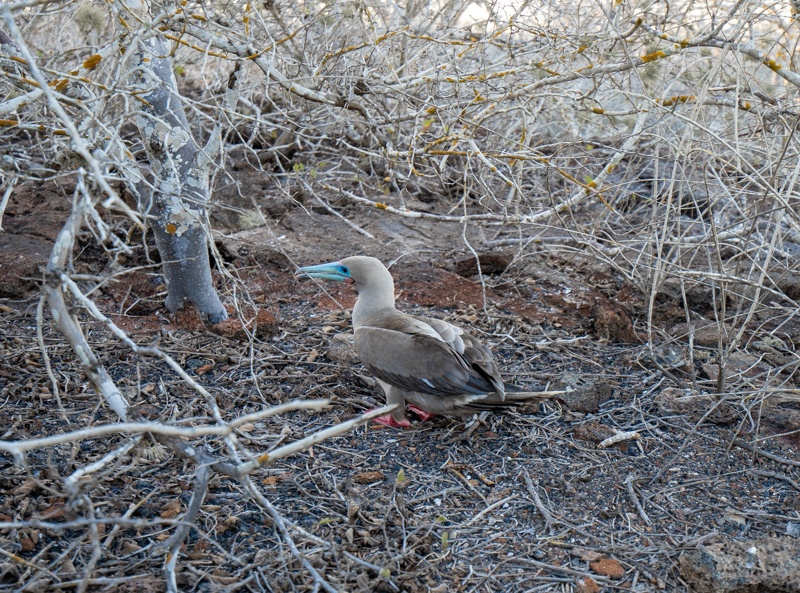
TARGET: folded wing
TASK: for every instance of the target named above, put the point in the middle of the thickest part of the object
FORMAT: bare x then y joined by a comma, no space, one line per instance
426,356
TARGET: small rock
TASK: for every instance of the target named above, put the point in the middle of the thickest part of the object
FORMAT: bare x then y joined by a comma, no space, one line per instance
593,431
369,477
26,543
612,323
767,565
341,350
788,283
706,336
587,555
699,296
352,512
491,263
690,403
739,364
782,411
582,395
130,547
171,510
587,585
608,567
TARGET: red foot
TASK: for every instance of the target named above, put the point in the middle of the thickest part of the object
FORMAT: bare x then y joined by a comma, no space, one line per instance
387,420
420,413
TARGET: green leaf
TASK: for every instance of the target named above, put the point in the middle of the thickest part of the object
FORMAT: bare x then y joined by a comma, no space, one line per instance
385,573
326,521
298,167
401,476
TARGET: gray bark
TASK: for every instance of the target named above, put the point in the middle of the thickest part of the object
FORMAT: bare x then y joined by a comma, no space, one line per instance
177,202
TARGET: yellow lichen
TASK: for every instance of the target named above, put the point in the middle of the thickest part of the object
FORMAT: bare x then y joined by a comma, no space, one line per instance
677,99
59,84
656,55
92,62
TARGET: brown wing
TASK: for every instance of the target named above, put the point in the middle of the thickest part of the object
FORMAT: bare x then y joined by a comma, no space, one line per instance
478,356
409,354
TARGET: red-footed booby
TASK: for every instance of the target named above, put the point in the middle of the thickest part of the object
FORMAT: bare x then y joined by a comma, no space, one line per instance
432,365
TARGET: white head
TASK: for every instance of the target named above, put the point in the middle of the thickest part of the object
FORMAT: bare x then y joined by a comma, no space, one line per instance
369,277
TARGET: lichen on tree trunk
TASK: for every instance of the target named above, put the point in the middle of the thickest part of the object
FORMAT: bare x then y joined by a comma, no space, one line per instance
176,203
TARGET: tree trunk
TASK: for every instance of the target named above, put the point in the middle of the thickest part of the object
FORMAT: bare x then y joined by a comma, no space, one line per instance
176,203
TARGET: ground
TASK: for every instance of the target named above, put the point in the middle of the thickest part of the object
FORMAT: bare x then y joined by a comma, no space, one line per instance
522,501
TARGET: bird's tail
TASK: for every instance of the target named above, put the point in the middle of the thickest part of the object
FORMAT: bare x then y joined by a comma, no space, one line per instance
491,405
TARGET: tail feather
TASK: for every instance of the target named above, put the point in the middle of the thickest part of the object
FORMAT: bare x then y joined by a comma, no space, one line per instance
491,405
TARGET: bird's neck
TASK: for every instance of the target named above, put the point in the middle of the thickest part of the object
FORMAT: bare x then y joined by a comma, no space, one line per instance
372,301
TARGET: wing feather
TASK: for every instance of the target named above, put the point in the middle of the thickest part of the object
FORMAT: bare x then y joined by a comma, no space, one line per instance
426,356
478,356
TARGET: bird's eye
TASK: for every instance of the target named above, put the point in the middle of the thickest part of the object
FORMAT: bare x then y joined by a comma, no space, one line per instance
344,270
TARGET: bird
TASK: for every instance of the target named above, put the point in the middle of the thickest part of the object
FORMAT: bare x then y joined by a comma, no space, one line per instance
429,365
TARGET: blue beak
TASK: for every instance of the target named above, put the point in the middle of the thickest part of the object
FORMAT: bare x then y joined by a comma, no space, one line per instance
332,271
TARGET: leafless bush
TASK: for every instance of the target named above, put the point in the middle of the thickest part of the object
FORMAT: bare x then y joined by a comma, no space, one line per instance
656,137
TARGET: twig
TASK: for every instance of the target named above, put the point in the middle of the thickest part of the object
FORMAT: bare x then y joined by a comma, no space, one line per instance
313,439
319,581
97,550
488,510
173,544
66,322
6,195
46,357
757,451
562,569
345,220
18,447
635,500
72,480
548,518
777,476
78,141
148,351
618,438
128,514
19,560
